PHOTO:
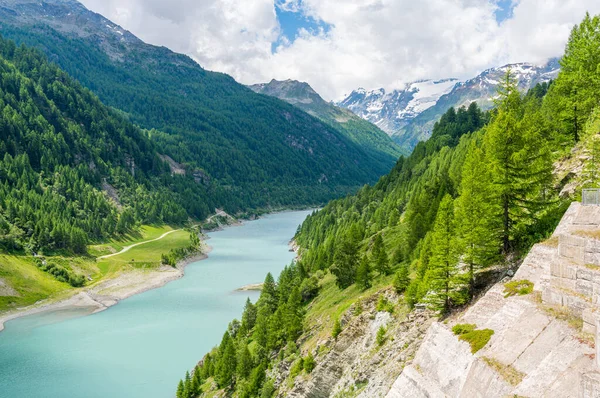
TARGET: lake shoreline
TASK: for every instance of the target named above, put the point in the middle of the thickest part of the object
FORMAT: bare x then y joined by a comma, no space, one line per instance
110,292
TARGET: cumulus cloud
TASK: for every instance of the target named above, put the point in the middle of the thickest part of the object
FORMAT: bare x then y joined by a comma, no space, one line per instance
369,43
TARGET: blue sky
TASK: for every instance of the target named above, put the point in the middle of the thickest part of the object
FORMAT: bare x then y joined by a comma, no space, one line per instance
505,10
293,21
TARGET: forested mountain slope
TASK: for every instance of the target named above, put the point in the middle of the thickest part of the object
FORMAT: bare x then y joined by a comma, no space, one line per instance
360,131
59,146
260,149
432,234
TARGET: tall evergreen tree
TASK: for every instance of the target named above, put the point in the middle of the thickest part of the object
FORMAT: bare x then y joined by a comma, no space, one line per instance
520,164
380,257
248,317
196,382
477,225
363,274
180,390
294,315
268,295
402,279
244,363
576,91
226,365
187,386
345,262
443,273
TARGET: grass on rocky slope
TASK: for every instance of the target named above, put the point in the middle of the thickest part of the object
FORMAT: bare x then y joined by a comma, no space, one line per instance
508,372
331,304
475,337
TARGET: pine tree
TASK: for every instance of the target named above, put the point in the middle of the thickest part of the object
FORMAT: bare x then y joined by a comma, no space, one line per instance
519,160
294,315
443,270
402,279
180,390
196,382
248,317
380,257
226,364
576,91
345,262
475,215
363,274
261,329
187,386
244,363
268,295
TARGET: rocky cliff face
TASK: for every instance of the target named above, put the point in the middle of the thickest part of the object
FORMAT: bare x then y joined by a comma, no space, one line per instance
355,364
543,343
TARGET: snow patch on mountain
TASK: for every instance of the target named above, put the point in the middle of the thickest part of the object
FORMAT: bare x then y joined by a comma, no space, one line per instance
391,110
416,107
425,95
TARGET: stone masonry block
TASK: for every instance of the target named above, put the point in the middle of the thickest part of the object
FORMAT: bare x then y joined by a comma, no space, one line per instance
585,287
585,274
590,385
592,258
562,269
551,296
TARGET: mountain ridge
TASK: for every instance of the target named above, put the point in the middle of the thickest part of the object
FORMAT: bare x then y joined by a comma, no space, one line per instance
205,121
410,120
360,131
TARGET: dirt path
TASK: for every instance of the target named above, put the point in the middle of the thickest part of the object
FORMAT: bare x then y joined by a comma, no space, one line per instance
126,248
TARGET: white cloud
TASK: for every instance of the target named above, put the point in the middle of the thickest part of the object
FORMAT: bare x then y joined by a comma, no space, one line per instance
371,43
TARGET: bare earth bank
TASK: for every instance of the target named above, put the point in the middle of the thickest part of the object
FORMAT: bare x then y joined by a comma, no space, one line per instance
107,293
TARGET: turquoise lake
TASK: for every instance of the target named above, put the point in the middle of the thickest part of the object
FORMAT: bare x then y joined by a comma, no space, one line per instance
142,346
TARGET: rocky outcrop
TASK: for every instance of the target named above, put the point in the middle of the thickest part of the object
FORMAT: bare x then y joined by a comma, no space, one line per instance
6,289
354,364
543,343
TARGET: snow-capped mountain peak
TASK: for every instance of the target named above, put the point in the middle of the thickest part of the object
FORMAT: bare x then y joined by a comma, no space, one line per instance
408,114
391,110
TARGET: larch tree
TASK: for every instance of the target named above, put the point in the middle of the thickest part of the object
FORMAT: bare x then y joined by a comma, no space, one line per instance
519,160
576,91
363,274
227,362
443,273
477,227
345,262
379,256
402,279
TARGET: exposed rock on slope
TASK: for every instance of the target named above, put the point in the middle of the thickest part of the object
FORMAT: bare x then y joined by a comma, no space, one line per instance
354,364
543,343
6,289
